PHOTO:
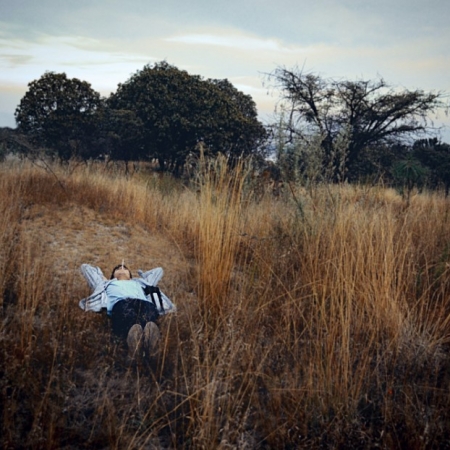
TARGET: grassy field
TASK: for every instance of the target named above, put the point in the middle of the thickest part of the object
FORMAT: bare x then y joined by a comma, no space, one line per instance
317,318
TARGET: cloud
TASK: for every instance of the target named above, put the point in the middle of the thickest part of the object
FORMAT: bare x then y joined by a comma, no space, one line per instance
79,57
12,60
235,40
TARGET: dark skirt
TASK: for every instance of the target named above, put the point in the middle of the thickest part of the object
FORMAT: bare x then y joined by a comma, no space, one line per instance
126,313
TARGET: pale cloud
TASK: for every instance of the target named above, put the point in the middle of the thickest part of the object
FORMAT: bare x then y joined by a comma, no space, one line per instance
237,41
61,50
9,59
77,56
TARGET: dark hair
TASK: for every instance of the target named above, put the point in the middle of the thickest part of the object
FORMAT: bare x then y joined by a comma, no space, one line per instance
118,267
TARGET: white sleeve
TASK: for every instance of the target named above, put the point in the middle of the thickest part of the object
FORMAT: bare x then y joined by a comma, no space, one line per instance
153,276
95,302
94,276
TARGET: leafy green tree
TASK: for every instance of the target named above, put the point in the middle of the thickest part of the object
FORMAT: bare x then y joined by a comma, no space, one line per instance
119,135
7,142
178,110
60,115
247,134
409,173
360,113
4,135
435,155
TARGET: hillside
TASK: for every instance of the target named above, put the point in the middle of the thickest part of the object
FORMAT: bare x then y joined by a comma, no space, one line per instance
318,318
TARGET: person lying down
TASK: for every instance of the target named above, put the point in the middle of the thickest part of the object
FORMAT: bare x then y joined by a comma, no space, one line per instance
133,304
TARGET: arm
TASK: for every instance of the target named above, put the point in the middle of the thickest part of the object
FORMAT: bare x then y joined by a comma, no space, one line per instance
97,282
93,275
95,302
153,276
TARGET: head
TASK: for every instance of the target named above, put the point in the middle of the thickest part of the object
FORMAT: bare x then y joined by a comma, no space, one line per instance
121,272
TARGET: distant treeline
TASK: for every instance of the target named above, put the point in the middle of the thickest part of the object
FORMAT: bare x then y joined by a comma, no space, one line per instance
325,130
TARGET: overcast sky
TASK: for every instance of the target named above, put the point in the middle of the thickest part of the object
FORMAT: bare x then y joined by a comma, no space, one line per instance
104,42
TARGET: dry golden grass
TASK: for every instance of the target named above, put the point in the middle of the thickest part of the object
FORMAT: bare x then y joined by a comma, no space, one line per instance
316,319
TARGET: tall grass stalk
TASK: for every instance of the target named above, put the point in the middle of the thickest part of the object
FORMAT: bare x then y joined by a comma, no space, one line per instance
220,206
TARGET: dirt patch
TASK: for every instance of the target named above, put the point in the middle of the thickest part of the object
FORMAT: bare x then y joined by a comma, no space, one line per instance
72,235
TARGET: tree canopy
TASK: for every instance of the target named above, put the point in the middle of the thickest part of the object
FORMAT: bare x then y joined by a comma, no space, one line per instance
59,114
119,134
178,111
350,116
434,155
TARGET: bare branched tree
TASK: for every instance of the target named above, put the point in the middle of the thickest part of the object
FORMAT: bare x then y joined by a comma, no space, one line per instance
361,113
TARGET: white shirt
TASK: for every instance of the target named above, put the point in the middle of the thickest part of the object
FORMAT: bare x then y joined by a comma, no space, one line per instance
121,289
99,284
